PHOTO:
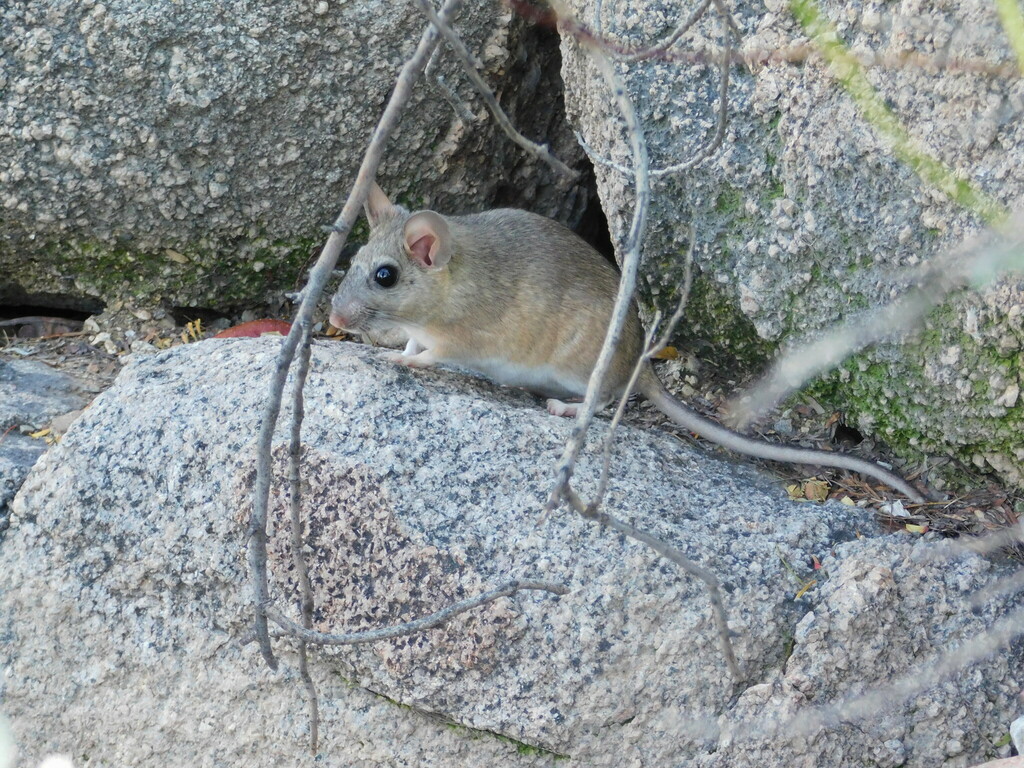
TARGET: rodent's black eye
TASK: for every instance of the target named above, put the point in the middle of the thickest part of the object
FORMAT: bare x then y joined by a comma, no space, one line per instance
386,276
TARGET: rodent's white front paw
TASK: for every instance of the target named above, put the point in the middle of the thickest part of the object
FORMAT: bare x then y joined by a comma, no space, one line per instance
412,347
421,360
560,408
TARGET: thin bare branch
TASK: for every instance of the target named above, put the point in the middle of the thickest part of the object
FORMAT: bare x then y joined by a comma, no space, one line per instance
723,115
461,108
798,53
433,63
295,504
725,63
598,4
597,159
902,61
291,629
802,53
727,17
651,348
630,264
609,436
721,618
295,479
319,274
471,66
658,49
684,298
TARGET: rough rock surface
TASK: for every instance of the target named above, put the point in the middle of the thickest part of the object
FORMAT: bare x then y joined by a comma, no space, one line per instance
31,394
125,592
191,151
804,216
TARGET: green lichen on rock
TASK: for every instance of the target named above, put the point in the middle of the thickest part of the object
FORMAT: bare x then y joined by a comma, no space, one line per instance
729,200
905,396
216,276
521,747
711,319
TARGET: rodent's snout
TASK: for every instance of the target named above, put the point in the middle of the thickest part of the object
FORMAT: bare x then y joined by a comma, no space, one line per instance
337,320
346,321
344,314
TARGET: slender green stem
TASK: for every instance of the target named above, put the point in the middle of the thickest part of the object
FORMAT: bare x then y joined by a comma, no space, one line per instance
1012,19
851,76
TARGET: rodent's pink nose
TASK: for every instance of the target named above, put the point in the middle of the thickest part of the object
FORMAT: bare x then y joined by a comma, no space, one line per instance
338,320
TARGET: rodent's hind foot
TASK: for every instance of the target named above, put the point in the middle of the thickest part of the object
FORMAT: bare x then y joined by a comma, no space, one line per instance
560,408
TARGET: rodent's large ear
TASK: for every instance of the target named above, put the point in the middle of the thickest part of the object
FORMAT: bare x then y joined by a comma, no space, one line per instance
377,206
427,240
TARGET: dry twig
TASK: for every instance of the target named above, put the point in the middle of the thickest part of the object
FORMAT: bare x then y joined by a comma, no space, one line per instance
461,108
295,505
723,114
725,60
318,276
627,285
658,49
257,535
630,264
471,66
796,53
670,553
291,629
651,348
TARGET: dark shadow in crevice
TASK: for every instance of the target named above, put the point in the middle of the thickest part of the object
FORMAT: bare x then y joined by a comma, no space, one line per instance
14,311
593,224
16,302
536,107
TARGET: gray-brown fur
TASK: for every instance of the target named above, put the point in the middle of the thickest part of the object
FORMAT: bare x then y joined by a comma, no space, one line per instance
519,286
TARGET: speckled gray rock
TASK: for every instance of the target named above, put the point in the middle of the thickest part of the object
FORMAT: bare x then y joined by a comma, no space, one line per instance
18,453
31,394
125,589
191,151
805,217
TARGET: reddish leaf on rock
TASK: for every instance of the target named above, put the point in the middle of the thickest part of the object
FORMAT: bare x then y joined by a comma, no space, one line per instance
254,328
